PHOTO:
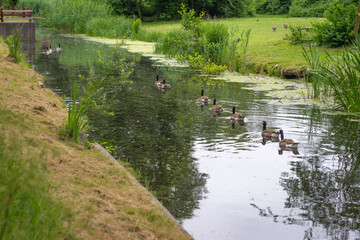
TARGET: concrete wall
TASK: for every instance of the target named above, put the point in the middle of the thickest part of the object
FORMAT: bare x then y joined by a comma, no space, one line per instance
27,36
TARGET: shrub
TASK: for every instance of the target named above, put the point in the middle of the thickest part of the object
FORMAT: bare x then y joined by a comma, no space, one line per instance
337,30
296,35
136,27
311,8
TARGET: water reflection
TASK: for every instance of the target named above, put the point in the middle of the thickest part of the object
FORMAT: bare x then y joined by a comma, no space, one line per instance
222,178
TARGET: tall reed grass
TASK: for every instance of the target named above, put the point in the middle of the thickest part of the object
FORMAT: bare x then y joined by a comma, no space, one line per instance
110,27
342,74
27,211
313,59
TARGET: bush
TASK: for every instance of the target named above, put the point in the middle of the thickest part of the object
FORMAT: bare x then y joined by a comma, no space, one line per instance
296,35
311,8
338,29
272,6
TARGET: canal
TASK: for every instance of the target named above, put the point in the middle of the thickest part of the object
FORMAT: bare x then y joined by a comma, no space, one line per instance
220,179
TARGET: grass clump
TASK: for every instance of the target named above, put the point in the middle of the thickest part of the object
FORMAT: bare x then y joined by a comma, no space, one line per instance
14,44
27,211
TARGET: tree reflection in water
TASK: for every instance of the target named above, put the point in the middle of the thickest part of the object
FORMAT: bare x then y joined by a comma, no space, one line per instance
326,189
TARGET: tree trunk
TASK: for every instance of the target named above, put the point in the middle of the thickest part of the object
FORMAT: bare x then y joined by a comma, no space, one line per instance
138,8
357,21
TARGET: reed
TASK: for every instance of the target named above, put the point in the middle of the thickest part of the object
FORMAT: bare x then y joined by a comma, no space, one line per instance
313,58
342,75
111,27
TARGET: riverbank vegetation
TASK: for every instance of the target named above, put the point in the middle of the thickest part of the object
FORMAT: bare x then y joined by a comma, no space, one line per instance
52,188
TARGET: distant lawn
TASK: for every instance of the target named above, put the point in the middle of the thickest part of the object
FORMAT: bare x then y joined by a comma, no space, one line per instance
265,46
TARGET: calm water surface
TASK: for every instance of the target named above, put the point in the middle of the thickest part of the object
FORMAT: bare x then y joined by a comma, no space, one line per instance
216,178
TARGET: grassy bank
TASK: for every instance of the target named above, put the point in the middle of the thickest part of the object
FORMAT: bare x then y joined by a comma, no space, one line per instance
266,47
51,188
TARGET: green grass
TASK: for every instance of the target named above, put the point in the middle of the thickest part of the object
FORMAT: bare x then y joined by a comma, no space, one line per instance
27,210
265,45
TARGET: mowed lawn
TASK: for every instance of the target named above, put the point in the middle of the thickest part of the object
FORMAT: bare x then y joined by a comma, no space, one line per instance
265,46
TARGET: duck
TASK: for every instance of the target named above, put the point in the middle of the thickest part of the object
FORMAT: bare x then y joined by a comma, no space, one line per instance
285,25
236,116
287,143
269,133
58,49
274,28
158,83
47,51
203,99
216,108
165,86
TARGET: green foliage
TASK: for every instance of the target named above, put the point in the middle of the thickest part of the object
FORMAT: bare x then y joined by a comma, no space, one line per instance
190,21
314,8
232,8
27,211
111,27
272,6
14,44
337,30
342,76
297,35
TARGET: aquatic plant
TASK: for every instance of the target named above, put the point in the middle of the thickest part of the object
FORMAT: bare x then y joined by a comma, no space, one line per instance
342,76
314,61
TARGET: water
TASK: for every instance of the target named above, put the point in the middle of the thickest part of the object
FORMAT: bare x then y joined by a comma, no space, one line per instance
216,178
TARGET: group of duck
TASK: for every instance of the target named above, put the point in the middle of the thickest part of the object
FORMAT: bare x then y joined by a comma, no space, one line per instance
49,50
268,135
